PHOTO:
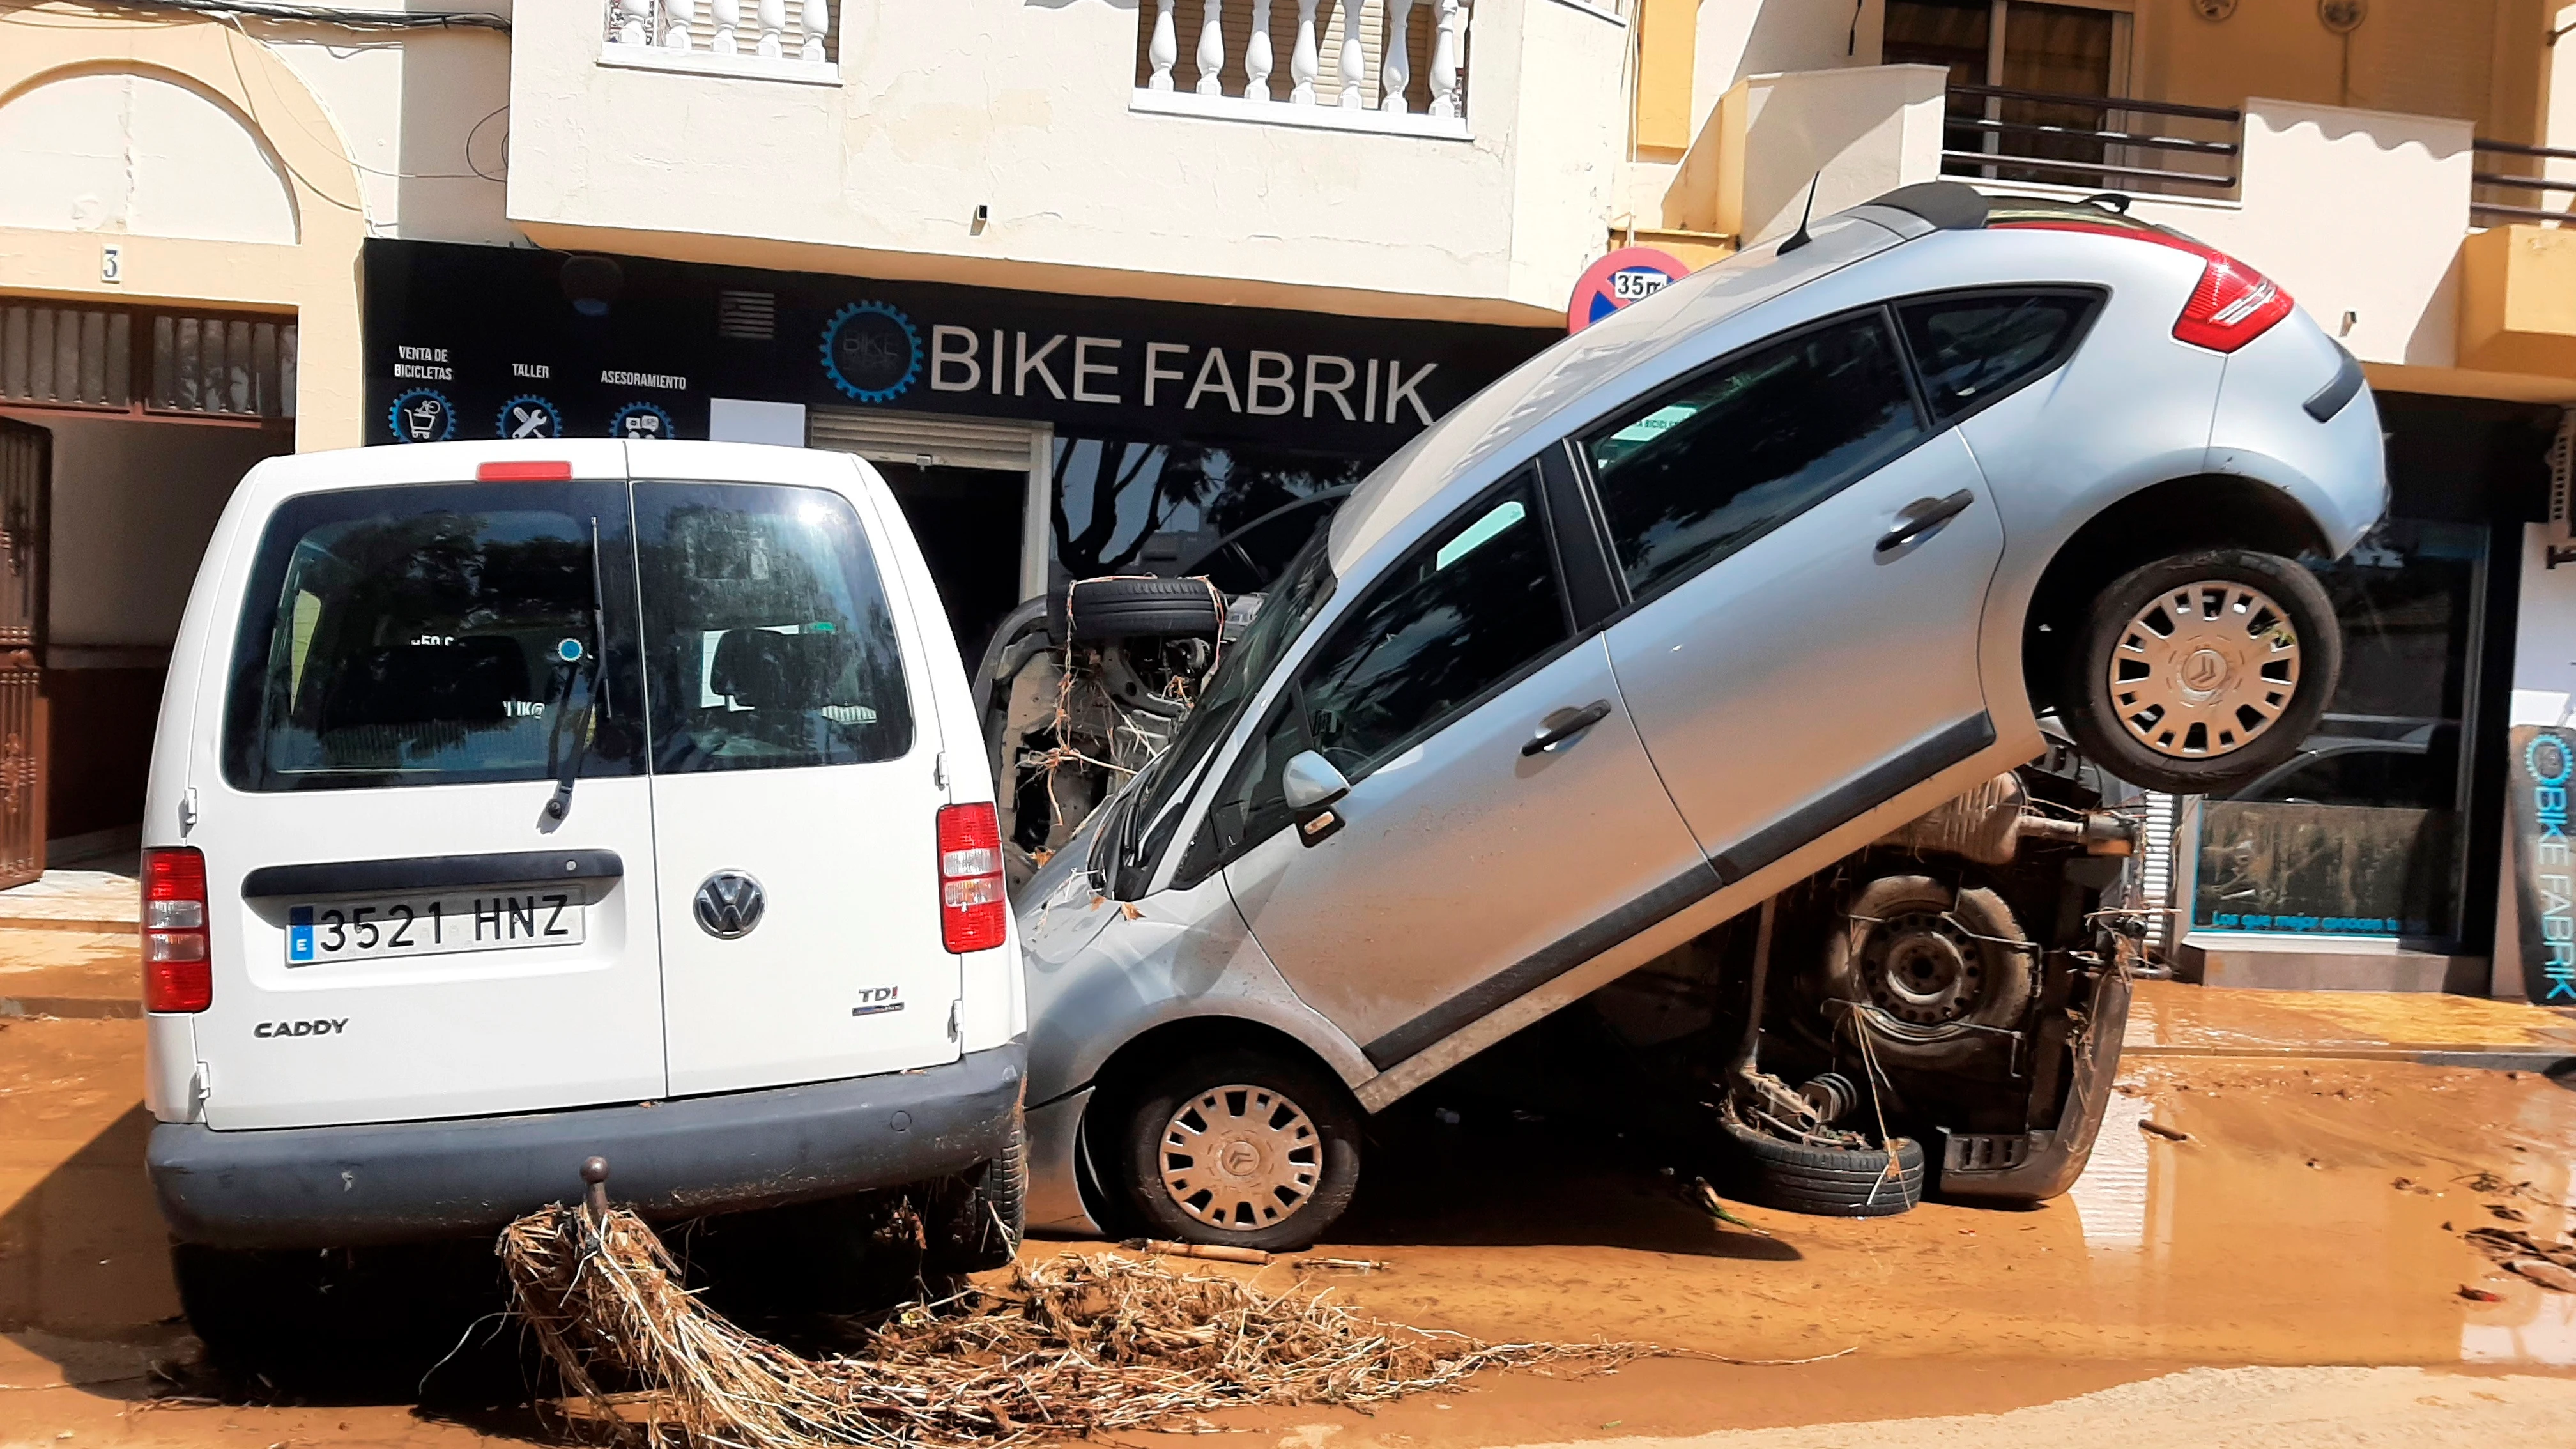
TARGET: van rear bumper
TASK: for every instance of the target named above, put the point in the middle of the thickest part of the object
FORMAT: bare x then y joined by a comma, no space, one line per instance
316,1187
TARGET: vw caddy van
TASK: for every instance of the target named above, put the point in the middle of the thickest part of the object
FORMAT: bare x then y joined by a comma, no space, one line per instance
515,804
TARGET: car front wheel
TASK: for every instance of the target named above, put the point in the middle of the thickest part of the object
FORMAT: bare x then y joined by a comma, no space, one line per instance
1246,1148
2197,673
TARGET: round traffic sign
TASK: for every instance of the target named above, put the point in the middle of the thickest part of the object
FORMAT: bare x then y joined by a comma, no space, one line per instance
1630,274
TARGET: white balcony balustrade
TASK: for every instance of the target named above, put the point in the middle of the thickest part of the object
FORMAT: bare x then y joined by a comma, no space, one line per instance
788,40
1361,65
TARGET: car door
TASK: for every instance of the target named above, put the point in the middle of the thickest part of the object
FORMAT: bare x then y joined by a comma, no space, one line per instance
795,788
400,929
1808,560
1473,859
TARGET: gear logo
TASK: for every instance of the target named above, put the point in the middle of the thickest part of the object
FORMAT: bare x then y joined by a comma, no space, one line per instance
422,415
642,420
871,351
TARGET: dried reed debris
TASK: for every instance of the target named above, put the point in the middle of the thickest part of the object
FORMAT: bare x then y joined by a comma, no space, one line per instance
1071,1345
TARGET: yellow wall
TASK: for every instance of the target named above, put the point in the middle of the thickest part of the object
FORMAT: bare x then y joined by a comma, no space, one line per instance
316,277
1666,31
2474,60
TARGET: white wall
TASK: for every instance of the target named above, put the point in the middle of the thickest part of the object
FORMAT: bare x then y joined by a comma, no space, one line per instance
1847,135
2350,211
406,105
1739,38
126,154
133,506
1026,108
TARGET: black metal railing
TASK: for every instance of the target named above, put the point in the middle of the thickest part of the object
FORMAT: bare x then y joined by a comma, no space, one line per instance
1998,133
2540,186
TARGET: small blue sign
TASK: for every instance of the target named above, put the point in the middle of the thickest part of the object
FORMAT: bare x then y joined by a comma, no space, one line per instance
642,420
529,416
569,651
422,415
299,935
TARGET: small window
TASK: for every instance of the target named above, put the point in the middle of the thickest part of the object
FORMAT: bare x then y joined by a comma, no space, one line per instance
1707,468
1468,610
429,635
768,641
1972,350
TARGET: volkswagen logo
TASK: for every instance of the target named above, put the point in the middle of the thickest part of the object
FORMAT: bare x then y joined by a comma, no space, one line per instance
729,904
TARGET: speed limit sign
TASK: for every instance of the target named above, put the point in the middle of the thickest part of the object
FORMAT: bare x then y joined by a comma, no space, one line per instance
1623,278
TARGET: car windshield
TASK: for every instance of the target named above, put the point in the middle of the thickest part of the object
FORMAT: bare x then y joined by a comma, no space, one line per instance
1299,594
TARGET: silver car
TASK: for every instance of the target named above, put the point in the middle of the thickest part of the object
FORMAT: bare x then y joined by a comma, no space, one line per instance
1693,605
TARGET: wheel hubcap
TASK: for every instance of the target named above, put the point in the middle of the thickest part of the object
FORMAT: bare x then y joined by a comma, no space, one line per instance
2203,670
1922,969
1241,1157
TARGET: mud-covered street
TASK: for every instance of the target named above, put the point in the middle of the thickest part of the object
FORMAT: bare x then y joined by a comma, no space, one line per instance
2271,1236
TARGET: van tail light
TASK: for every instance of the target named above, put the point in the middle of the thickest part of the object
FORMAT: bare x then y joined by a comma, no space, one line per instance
2232,305
974,913
524,471
177,976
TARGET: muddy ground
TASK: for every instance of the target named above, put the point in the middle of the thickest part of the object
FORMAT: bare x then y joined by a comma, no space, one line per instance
2313,1217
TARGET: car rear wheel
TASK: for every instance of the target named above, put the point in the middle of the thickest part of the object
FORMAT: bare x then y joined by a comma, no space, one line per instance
2197,673
1246,1148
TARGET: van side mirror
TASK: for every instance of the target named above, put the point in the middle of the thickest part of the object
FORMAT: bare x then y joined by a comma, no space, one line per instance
1309,782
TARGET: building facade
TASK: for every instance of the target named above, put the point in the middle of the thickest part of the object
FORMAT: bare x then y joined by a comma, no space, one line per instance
1112,285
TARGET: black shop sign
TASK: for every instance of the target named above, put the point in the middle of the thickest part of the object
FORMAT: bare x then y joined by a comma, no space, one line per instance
496,342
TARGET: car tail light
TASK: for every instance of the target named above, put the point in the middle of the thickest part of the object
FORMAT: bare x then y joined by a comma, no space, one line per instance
524,472
974,914
2233,305
176,974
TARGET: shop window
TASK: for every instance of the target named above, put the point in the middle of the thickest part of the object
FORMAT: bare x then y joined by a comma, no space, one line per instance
1236,515
2360,832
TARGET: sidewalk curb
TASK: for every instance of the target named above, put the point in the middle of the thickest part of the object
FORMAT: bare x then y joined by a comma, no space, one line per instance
2528,1057
75,1008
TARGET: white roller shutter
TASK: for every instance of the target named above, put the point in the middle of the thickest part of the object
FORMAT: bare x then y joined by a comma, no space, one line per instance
931,439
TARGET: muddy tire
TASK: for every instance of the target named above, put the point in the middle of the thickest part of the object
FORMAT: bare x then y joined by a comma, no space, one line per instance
1244,1147
1121,608
976,1223
337,1320
1824,1181
2195,674
1945,969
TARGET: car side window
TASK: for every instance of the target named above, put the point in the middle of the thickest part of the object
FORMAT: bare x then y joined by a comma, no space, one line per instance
1702,470
1466,611
1974,349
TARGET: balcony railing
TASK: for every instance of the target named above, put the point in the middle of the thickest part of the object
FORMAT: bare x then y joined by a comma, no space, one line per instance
780,39
1365,65
2530,188
1996,133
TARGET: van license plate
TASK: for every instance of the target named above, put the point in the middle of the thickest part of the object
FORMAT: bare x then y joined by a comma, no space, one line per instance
496,920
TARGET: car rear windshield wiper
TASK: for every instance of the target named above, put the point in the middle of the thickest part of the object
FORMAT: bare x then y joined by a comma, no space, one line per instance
595,706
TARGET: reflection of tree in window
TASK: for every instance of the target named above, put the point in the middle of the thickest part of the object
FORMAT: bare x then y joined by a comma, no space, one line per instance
1131,507
1458,617
428,641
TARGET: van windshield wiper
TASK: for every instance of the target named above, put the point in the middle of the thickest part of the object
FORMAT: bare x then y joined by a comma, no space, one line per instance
594,707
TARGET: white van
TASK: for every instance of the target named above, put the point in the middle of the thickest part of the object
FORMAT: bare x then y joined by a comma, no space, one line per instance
519,803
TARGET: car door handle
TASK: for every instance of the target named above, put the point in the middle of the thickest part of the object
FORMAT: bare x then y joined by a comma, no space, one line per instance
1565,724
1922,516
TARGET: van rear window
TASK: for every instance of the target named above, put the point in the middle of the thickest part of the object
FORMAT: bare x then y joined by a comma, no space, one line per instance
435,635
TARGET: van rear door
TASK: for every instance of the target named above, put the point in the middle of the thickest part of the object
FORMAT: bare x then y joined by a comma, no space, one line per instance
795,779
401,929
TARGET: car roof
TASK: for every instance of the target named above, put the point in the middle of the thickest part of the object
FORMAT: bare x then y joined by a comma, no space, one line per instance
1566,385
386,465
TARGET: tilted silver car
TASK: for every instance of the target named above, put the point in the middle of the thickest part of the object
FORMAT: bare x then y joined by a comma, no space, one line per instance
1710,597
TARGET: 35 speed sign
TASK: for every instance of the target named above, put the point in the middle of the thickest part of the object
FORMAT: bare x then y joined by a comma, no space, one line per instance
1626,276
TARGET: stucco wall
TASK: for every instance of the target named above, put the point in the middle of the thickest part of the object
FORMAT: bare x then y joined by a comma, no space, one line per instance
1025,109
242,168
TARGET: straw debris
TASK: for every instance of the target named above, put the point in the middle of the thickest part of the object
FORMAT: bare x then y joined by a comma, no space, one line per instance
1071,1345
